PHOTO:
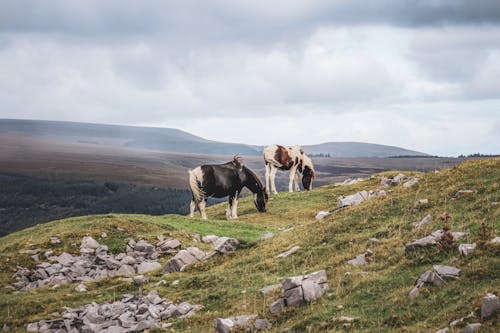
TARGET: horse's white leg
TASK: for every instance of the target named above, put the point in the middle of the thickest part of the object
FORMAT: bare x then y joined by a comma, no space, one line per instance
268,176
228,211
201,206
273,179
293,171
234,207
192,207
296,181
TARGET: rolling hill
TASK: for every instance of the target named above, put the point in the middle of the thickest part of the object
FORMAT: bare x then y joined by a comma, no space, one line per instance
174,140
369,298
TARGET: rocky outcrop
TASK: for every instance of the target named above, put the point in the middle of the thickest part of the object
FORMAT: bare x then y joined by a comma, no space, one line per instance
431,240
436,276
361,259
422,222
466,249
297,290
357,198
93,263
248,323
131,314
290,251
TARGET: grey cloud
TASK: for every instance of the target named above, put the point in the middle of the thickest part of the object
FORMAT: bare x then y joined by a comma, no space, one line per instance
195,21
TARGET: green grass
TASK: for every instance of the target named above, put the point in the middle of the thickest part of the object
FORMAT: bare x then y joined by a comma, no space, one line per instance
228,285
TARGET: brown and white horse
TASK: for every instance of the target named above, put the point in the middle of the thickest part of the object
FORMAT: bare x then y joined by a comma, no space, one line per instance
221,180
288,158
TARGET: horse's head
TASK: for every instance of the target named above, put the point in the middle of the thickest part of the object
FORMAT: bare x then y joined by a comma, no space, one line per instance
260,199
308,175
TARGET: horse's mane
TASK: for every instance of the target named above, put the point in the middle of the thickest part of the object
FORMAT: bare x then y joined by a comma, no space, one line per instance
254,176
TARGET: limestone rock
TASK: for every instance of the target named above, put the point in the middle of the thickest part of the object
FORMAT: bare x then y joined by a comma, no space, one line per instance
489,306
169,245
411,182
81,288
288,252
209,238
495,240
224,245
466,249
89,243
321,214
398,178
267,235
148,266
447,271
422,222
277,306
267,289
353,199
262,324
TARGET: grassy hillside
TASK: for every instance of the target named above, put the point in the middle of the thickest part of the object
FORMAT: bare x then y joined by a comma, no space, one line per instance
228,285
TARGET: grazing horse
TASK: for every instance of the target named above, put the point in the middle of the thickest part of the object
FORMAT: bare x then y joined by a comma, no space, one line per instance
220,180
293,159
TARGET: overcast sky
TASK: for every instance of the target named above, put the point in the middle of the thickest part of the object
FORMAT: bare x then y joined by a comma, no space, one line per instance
423,75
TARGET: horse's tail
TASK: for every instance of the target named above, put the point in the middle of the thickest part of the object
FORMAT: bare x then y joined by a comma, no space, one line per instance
195,178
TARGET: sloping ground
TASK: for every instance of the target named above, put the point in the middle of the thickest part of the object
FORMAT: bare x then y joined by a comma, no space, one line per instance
228,285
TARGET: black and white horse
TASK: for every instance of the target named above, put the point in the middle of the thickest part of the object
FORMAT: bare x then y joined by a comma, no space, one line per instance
220,180
291,159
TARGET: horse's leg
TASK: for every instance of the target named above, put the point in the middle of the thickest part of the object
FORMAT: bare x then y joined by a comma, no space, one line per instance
192,207
296,180
268,176
293,171
202,206
234,207
229,208
273,179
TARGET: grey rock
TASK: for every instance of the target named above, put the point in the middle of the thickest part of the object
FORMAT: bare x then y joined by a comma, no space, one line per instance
89,243
317,277
55,240
359,260
430,277
173,265
267,289
209,238
196,252
223,325
128,260
114,329
398,178
262,324
414,292
490,304
224,245
422,222
148,266
182,309
140,279
471,328
32,327
460,193
431,240
294,296
411,182
277,306
322,214
292,282
126,270
466,249
143,246
495,240
170,244
313,290
288,252
443,330
353,199
447,271
372,241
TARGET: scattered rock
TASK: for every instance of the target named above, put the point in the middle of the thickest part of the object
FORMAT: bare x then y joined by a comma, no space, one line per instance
262,324
169,246
350,181
357,198
361,259
288,252
55,240
300,289
238,323
489,305
224,245
372,241
270,288
94,263
104,235
466,249
436,276
443,330
431,240
131,314
184,258
422,202
321,214
344,319
398,178
411,182
422,222
460,193
209,238
495,240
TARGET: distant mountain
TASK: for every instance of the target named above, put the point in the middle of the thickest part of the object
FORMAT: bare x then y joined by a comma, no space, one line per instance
176,141
358,149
